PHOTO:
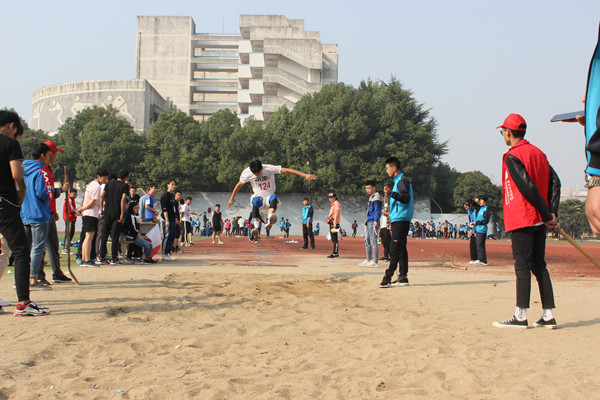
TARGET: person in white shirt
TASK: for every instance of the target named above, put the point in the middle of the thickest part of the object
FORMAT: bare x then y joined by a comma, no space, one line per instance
186,213
262,179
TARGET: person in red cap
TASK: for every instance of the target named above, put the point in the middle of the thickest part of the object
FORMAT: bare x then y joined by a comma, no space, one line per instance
52,243
531,193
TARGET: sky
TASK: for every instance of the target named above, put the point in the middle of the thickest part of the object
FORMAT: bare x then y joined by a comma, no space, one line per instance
470,62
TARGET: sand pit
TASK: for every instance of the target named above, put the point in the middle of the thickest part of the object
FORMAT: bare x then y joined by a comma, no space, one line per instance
279,323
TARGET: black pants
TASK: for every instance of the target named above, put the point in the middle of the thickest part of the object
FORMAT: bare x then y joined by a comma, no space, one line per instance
529,252
473,247
306,233
52,251
398,252
71,233
334,239
11,227
480,239
386,240
113,228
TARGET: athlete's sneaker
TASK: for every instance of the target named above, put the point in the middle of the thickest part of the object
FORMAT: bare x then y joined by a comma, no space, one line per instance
31,310
371,264
333,255
213,242
271,222
385,283
401,281
255,234
512,322
221,243
550,324
61,279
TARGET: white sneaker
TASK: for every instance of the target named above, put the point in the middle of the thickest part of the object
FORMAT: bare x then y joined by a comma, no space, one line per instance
473,261
271,222
364,263
4,303
372,264
167,257
481,263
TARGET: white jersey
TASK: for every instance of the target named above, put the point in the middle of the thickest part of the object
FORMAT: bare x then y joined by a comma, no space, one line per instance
185,210
264,185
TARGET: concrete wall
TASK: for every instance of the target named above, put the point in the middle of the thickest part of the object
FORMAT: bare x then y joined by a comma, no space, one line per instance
136,100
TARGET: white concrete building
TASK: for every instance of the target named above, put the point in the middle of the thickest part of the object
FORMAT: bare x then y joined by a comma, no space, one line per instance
273,62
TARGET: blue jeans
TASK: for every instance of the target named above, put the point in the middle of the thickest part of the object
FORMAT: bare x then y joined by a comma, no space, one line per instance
145,245
37,235
168,236
371,242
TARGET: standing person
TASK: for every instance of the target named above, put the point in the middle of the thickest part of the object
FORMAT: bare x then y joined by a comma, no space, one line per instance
170,216
228,227
307,220
90,210
70,218
114,199
384,231
262,179
178,203
11,224
354,228
287,228
401,213
282,228
531,194
52,242
471,207
217,223
372,225
35,211
482,219
149,212
333,220
317,229
186,222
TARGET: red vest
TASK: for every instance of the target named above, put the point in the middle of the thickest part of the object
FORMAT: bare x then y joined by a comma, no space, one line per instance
518,212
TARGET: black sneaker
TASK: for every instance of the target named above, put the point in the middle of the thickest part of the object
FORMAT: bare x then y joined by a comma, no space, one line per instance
115,262
550,324
45,282
149,261
512,322
333,256
61,279
385,283
401,281
304,247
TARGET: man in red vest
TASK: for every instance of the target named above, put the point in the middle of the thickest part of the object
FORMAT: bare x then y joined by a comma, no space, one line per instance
531,193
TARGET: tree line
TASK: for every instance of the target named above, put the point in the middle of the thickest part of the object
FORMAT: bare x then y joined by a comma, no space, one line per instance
341,133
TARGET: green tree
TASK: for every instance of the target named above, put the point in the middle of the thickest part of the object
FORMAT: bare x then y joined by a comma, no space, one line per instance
572,217
108,141
472,184
68,138
175,148
344,134
443,189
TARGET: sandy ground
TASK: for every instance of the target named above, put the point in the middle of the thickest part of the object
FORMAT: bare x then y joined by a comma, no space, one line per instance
272,324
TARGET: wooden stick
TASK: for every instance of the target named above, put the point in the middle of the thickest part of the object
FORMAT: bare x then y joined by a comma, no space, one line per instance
577,246
67,236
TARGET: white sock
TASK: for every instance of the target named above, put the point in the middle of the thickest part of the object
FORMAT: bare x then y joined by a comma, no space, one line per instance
520,314
257,223
547,314
269,218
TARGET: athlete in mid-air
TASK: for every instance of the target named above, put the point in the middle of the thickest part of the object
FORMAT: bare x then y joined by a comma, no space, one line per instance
262,179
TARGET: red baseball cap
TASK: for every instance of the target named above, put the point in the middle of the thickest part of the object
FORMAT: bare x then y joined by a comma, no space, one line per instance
514,122
52,146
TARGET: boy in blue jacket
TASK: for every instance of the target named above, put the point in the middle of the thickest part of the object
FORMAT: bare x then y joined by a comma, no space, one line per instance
401,213
35,211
